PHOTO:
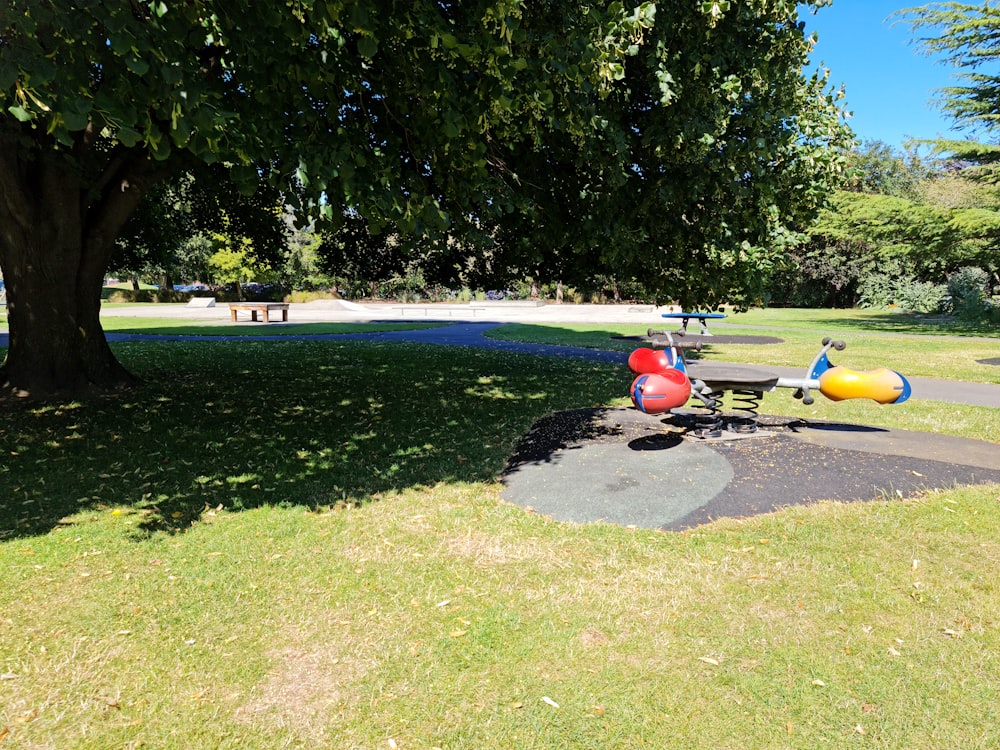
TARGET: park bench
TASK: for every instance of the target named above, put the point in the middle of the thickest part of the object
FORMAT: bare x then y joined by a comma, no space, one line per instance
259,307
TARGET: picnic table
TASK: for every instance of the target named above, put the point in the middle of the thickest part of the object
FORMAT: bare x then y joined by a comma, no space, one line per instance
701,317
259,307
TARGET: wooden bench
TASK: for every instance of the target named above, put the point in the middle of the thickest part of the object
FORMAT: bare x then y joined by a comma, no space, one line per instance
255,307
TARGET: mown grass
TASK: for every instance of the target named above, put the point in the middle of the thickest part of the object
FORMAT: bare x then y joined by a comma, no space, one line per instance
302,544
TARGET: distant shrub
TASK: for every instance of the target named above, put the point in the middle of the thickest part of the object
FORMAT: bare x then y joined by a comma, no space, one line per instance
969,292
879,290
312,295
884,290
922,296
147,295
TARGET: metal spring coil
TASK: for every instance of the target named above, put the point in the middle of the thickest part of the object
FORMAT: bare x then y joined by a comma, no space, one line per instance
745,404
710,423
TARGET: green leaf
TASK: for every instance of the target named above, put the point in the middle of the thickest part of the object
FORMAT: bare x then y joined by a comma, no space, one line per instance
75,120
137,65
367,47
20,113
128,137
9,73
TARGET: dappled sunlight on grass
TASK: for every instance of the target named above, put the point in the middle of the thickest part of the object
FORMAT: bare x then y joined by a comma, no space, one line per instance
313,423
349,575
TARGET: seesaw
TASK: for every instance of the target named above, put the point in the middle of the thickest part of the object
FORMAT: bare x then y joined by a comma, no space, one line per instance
665,381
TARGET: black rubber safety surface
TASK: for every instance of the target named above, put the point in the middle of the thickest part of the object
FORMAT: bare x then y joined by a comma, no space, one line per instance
621,466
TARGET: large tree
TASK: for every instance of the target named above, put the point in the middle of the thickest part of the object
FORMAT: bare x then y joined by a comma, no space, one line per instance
715,151
413,111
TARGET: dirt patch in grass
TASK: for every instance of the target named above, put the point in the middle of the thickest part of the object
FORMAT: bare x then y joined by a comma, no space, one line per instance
486,550
311,680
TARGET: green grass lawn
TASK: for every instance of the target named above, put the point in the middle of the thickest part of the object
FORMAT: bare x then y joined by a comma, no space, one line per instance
302,544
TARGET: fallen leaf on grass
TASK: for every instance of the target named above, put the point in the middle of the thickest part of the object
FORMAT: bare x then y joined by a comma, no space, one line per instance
819,683
709,660
952,633
457,633
547,699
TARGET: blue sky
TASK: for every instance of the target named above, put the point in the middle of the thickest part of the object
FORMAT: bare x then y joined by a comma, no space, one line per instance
889,83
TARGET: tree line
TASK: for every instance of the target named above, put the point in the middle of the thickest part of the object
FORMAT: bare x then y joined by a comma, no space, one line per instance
906,229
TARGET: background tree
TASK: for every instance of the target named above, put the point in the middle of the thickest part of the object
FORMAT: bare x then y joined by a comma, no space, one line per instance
363,258
903,224
160,241
301,268
965,35
713,155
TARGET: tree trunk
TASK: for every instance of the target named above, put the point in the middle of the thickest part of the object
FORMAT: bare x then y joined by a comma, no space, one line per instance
56,239
57,345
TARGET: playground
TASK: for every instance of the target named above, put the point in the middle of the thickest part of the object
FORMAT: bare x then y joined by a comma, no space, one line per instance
312,539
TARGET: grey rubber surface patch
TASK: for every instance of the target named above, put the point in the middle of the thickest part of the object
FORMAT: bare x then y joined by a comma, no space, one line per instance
656,485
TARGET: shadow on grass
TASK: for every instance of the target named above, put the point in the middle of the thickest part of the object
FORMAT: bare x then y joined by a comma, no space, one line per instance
914,323
304,423
616,338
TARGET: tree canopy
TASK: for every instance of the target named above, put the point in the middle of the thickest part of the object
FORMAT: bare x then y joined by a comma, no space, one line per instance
682,144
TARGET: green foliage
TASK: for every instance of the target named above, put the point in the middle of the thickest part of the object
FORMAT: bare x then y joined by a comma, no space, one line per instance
963,34
923,297
199,79
311,295
695,188
178,227
969,293
893,247
883,289
146,295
